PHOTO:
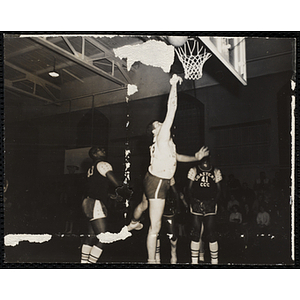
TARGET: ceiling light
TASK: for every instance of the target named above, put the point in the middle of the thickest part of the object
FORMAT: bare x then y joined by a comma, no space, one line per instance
53,73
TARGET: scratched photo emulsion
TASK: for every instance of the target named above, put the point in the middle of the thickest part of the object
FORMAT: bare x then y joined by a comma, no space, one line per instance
172,150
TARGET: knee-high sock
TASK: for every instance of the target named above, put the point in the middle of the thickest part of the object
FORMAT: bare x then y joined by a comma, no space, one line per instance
157,252
195,246
173,251
151,247
213,247
85,251
94,254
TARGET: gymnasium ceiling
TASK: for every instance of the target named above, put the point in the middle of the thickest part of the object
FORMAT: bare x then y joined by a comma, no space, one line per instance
77,59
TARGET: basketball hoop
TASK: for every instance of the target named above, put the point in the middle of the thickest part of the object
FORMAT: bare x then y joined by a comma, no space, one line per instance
192,59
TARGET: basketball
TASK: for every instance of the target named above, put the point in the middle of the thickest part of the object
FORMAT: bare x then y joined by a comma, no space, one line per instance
177,41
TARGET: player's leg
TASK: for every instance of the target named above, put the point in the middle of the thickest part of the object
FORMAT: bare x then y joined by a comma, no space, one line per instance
90,239
195,237
150,186
137,214
171,232
173,259
149,181
92,248
201,249
157,251
99,226
210,226
156,208
96,212
87,245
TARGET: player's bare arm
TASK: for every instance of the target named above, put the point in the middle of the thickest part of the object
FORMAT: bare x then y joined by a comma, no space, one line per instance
122,190
113,179
164,134
198,155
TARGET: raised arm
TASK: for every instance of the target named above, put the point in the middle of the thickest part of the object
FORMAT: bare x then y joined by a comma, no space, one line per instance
164,133
198,155
106,170
113,179
121,189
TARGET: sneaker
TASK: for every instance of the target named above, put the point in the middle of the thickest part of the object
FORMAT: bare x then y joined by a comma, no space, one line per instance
135,226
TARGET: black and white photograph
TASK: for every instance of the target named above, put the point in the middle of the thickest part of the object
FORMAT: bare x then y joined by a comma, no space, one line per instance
149,149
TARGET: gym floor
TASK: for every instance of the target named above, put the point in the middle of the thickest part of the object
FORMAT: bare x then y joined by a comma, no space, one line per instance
266,249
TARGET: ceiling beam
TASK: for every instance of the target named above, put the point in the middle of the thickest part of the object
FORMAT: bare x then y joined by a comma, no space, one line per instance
9,85
50,93
70,46
78,60
97,56
57,67
70,64
98,45
30,76
74,76
33,79
23,51
111,57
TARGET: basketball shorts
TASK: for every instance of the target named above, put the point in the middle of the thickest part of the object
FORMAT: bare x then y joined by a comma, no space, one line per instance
203,208
94,209
155,187
169,212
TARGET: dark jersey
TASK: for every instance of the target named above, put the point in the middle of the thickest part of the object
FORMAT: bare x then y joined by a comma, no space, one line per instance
97,182
204,183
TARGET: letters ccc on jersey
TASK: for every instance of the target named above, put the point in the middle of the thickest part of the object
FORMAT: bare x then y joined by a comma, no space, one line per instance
204,182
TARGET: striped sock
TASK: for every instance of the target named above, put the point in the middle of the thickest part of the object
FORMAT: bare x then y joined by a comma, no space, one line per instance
213,247
85,251
94,255
151,261
195,246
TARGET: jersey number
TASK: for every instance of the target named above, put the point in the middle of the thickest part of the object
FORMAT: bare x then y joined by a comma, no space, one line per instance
204,181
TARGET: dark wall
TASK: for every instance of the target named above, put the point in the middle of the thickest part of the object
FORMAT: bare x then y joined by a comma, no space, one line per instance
35,150
246,108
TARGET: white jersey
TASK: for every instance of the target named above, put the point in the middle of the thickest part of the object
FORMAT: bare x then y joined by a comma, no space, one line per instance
163,163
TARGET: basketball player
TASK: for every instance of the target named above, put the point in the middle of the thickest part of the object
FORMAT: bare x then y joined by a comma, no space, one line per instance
162,168
168,220
99,175
204,192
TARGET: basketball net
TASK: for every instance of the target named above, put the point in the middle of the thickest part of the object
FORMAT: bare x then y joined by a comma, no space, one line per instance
192,59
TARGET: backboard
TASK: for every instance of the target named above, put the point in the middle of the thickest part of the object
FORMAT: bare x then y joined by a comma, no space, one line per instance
231,52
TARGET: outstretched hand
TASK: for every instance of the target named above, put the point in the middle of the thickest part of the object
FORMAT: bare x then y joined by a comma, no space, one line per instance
124,191
202,153
175,78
